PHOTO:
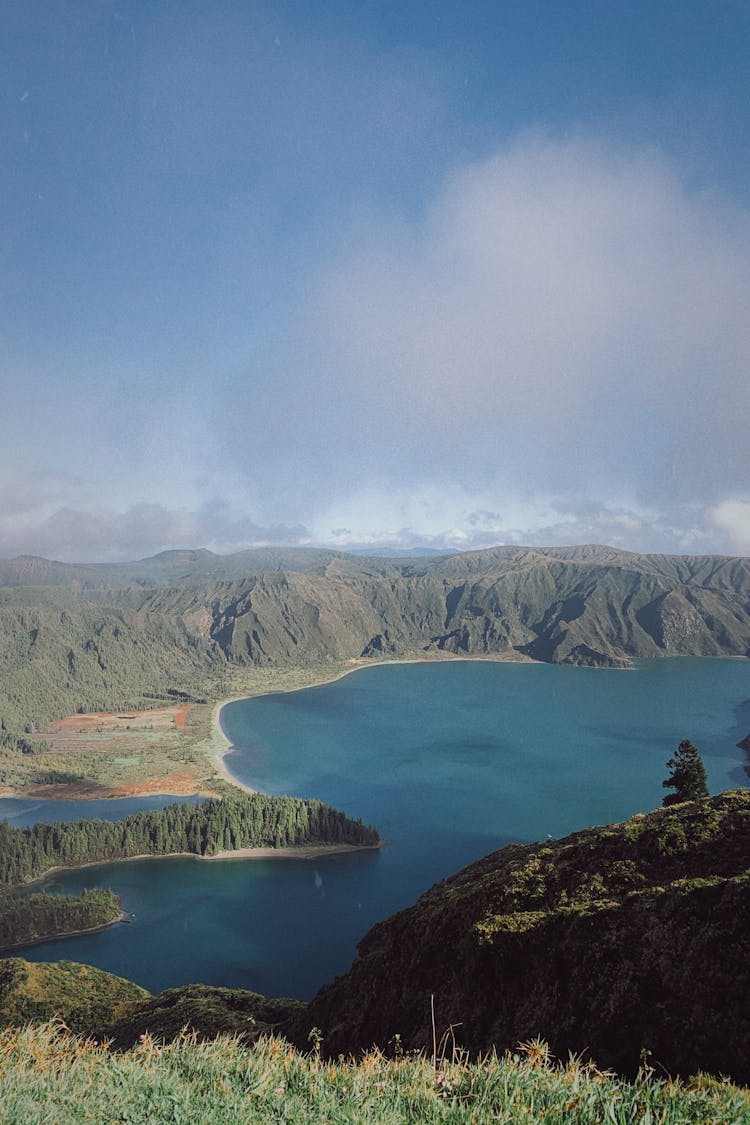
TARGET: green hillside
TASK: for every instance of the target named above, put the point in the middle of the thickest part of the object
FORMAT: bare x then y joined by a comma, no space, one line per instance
87,1000
627,945
90,637
625,942
94,1003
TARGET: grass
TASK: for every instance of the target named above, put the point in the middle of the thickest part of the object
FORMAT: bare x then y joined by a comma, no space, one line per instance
49,1075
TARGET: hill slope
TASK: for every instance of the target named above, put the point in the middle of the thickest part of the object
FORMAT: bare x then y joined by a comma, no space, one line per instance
92,1002
86,999
613,941
100,637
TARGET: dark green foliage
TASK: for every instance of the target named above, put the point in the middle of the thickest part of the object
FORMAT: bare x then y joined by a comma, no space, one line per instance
613,941
26,918
19,743
688,776
203,1009
252,820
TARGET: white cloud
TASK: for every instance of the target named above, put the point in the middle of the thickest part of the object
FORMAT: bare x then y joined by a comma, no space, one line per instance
103,535
732,519
566,313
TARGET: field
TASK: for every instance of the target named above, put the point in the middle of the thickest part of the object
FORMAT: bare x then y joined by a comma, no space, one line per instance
118,754
165,749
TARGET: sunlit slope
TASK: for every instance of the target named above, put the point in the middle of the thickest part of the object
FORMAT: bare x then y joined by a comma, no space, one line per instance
99,636
92,1002
86,999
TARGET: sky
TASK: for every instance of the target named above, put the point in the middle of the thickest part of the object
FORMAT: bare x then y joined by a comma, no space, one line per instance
379,274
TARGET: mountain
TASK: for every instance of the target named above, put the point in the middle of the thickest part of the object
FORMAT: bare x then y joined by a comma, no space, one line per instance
625,943
86,636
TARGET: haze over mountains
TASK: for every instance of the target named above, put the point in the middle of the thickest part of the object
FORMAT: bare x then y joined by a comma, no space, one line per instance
89,635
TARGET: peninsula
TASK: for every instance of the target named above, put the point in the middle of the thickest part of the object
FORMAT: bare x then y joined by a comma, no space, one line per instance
241,825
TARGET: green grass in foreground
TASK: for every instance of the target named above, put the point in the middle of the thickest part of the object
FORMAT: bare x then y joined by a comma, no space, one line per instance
48,1075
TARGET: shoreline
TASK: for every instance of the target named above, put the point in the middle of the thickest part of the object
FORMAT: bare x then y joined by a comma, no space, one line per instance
6,949
219,746
223,746
304,851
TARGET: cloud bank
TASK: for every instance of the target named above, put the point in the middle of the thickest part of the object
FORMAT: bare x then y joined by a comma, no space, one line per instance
556,350
567,325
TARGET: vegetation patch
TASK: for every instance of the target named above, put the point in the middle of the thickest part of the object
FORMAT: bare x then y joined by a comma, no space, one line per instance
48,1074
27,918
86,999
240,821
624,942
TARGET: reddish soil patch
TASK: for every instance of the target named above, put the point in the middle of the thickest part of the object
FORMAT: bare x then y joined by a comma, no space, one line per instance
176,784
160,718
181,715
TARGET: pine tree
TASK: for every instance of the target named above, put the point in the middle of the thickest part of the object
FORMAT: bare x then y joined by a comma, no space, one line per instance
688,776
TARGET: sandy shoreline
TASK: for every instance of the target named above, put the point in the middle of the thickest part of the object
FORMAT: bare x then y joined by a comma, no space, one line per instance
305,851
225,747
220,746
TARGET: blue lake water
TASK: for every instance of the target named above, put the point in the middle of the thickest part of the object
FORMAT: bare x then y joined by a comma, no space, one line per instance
22,812
450,761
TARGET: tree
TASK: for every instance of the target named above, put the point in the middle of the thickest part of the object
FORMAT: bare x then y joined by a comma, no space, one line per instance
688,776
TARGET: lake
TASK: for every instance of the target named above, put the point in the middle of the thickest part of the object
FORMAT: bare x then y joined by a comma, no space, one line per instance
21,812
450,761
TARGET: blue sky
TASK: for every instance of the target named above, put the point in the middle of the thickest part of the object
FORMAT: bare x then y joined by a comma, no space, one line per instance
402,274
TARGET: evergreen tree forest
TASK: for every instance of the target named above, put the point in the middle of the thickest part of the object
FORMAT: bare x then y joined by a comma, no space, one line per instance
26,918
241,821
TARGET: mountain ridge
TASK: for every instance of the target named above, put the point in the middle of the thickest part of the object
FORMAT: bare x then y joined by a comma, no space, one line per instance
86,636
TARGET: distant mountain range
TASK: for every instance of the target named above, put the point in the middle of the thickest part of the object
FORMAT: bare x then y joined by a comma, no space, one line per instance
87,635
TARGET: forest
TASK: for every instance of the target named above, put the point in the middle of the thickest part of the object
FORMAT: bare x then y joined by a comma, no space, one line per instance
26,918
253,820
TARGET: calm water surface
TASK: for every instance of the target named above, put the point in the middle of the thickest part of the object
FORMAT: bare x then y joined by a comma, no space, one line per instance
450,761
22,812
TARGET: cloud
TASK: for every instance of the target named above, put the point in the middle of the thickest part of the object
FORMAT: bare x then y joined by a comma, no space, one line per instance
443,517
96,534
732,519
30,494
554,350
566,316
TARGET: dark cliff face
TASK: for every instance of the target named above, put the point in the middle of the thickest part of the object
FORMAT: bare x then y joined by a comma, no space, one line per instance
625,942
